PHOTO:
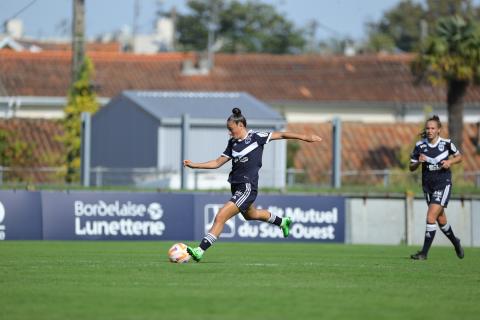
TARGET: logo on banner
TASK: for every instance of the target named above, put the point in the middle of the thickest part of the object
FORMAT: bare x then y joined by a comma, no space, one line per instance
118,219
210,210
2,225
309,224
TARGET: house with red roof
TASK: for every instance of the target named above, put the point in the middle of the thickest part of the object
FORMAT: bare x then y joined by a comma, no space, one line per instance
375,95
304,88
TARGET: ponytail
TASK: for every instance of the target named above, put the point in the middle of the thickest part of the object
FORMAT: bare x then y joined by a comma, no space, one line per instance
237,117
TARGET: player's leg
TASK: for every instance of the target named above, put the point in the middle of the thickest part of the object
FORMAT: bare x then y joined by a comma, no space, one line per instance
433,212
448,232
254,213
226,212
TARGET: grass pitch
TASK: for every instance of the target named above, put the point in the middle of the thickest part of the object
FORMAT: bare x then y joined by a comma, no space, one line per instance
134,280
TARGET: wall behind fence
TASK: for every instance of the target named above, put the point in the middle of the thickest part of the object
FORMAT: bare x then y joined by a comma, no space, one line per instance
402,221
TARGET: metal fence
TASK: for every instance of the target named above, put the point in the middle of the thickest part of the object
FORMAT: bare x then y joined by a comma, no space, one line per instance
215,179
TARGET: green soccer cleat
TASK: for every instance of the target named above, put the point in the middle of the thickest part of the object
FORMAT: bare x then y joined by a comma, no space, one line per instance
286,224
195,253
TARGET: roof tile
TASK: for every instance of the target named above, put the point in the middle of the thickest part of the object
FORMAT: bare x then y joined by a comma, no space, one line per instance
383,78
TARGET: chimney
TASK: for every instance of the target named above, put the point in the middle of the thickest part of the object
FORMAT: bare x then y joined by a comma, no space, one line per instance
14,28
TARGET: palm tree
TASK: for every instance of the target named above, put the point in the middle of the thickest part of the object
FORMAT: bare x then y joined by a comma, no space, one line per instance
452,57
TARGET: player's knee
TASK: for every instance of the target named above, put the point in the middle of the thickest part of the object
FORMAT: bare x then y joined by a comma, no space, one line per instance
431,219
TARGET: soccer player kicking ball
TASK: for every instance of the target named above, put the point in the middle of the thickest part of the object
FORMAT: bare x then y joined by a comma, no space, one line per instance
245,148
433,153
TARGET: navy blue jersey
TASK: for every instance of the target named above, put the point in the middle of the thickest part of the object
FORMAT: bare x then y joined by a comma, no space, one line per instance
246,155
433,175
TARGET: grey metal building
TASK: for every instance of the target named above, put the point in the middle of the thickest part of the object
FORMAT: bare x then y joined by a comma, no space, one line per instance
138,136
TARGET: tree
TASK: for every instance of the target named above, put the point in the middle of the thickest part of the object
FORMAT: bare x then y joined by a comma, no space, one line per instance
239,27
380,42
81,98
16,154
452,57
400,25
437,9
409,22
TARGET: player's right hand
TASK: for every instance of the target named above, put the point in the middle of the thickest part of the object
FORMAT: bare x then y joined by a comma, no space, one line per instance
187,163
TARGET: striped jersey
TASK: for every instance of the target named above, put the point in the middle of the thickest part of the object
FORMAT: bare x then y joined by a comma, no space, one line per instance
433,175
246,155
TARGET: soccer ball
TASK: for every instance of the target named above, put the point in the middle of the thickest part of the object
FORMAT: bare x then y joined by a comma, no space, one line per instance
178,253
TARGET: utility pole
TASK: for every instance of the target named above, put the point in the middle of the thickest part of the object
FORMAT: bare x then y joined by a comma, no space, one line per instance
173,16
337,153
136,14
78,38
311,34
212,27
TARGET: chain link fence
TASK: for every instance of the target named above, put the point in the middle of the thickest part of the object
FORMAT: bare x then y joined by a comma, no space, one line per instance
215,179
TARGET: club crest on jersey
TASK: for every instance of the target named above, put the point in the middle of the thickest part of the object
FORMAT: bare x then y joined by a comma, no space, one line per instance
441,147
248,140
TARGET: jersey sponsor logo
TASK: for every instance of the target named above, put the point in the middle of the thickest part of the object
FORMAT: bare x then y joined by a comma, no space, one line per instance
242,160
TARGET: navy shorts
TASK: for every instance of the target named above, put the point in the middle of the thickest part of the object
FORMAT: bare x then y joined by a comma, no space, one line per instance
243,195
439,196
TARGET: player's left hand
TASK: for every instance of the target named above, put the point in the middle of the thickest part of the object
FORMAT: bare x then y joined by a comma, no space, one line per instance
446,164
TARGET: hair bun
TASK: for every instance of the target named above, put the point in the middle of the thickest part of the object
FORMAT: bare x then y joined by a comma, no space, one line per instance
236,111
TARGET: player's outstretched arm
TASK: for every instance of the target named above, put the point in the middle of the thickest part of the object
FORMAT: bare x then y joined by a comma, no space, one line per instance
212,164
277,135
